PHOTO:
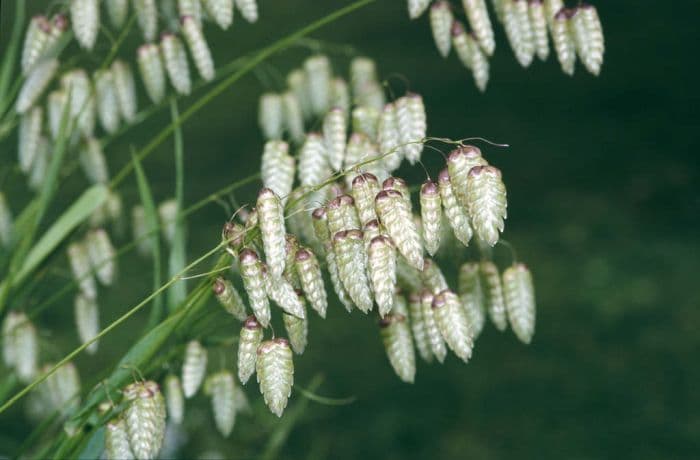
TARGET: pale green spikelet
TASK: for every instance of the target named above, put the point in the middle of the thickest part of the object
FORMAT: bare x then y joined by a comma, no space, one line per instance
371,230
7,226
335,137
313,167
146,13
519,295
400,304
93,162
167,213
63,387
152,72
431,215
479,21
29,134
407,275
221,11
366,89
595,29
55,103
296,81
538,22
277,168
441,25
395,215
35,42
20,345
254,283
363,154
221,387
399,185
472,296
348,246
145,419
420,335
81,101
412,125
80,265
175,61
471,55
126,89
297,329
486,196
319,217
85,18
459,162
283,294
35,84
453,324
229,298
396,335
388,137
381,264
201,55
272,230
365,120
140,230
275,373
364,188
320,222
318,79
191,8
340,95
37,175
87,320
248,9
310,276
117,440
194,366
432,331
432,277
551,8
249,340
270,115
493,294
174,398
417,8
117,10
342,214
563,40
107,102
293,117
588,37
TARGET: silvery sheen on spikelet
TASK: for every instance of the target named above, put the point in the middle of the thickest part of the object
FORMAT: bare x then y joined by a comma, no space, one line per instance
471,55
520,301
480,23
81,268
85,18
395,214
486,196
194,367
175,60
35,41
283,294
249,9
248,342
272,231
348,246
431,215
321,230
221,387
472,297
117,440
277,168
389,138
93,162
563,40
588,38
20,343
293,117
229,298
396,335
6,222
381,264
311,278
152,72
364,189
493,294
145,418
335,137
441,25
270,115
342,214
254,283
459,162
275,373
417,7
126,89
107,102
191,8
201,55
453,324
87,320
318,79
29,135
146,13
297,329
102,256
174,398
432,331
313,168
35,84
221,11
420,335
340,95
456,215
538,22
411,120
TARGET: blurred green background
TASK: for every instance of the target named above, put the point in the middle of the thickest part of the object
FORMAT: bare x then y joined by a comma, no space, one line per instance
602,178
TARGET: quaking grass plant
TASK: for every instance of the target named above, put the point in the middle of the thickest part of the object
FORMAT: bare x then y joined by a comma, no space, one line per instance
332,226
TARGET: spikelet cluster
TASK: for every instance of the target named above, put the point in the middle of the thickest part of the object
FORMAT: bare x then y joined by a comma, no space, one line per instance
145,418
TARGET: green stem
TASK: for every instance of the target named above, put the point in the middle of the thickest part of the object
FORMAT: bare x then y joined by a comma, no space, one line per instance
8,62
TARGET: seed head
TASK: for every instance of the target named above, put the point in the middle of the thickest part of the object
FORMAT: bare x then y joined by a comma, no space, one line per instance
456,215
388,137
318,79
117,440
249,9
309,272
395,215
107,102
420,334
396,334
85,17
486,196
271,222
432,331
452,323
493,294
87,320
472,296
126,89
175,60
254,284
35,84
348,246
335,137
194,366
175,401
431,215
248,341
297,329
520,301
198,47
229,298
146,13
221,387
152,72
145,419
275,373
381,263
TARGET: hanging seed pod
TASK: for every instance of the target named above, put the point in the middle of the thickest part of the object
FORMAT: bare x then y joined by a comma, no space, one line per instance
309,272
456,216
371,230
249,9
271,117
254,283
420,336
460,161
396,335
313,168
472,297
55,105
551,8
152,73
297,329
35,41
82,270
480,23
174,399
35,84
293,117
194,366
589,51
320,223
221,11
296,81
319,217
538,22
441,24
37,175
364,188
175,60
85,17
146,13
167,212
283,294
431,215
363,72
222,388
432,277
411,119
126,89
249,340
117,10
596,40
395,215
107,103
93,162
29,135
140,229
340,95
201,55
271,222
348,246
432,331
229,298
487,202
335,137
82,104
389,138
275,373
87,321
277,168
471,55
520,301
318,78
493,294
417,8
190,8
6,223
145,418
342,214
381,264
453,324
364,121
563,40
117,440
20,345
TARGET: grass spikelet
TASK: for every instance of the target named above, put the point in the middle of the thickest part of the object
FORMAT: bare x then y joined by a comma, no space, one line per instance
493,294
310,276
318,80
85,18
107,102
145,419
520,301
194,367
452,323
272,230
486,197
35,84
472,297
479,21
441,25
152,72
254,283
147,16
201,55
248,9
126,89
395,215
229,298
431,215
381,264
174,398
275,373
221,387
335,137
176,65
396,335
87,320
420,334
432,331
249,340
117,445
348,246
80,265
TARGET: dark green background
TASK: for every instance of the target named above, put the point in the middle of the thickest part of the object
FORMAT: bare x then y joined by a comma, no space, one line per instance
603,206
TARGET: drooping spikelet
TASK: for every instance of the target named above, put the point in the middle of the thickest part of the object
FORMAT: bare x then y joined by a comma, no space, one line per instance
191,8
588,37
364,121
82,103
538,22
335,137
348,246
117,440
395,215
35,84
40,165
322,232
201,55
363,72
297,329
107,102
152,73
126,89
412,125
453,324
472,297
80,265
275,373
340,95
140,230
396,335
420,336
6,223
102,256
167,213
493,294
480,23
270,115
229,298
486,196
432,331
371,230
20,345
470,54
194,366
87,320
551,8
221,387
313,167
283,294
595,31
342,214
249,9
271,222
35,41
117,10
175,60
145,418
363,154
254,283
248,342
431,215
459,162
311,279
175,401
293,117
277,168
221,11
29,135
388,137
520,301
318,78
432,277
364,188
518,31
417,7
381,264
441,25
85,18
563,40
